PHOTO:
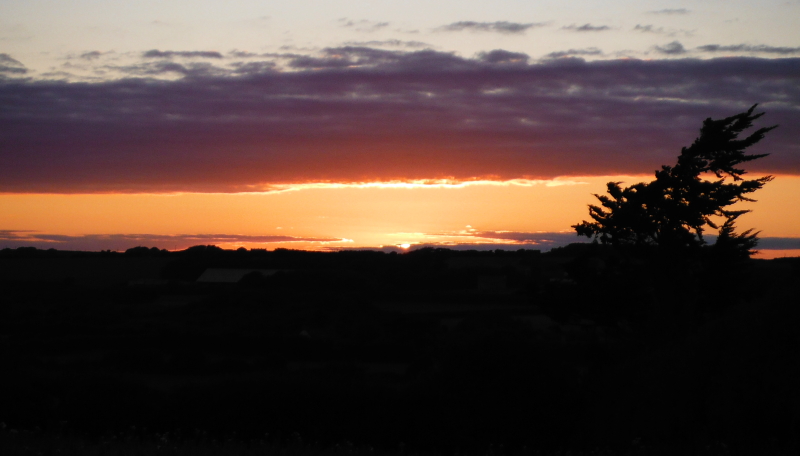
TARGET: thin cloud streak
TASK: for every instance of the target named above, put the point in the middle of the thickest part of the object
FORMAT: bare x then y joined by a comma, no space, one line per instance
419,183
363,25
586,28
91,55
390,43
672,11
759,49
121,242
650,28
574,53
778,243
544,241
465,239
497,27
155,53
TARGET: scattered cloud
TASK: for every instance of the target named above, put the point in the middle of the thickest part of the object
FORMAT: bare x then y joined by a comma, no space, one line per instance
499,56
673,48
574,53
242,54
498,27
388,43
291,47
167,67
649,28
10,65
155,53
671,11
676,48
6,59
363,25
344,57
92,55
759,49
361,114
586,28
254,68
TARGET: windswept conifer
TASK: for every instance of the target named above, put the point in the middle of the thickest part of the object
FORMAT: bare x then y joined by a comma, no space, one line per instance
673,211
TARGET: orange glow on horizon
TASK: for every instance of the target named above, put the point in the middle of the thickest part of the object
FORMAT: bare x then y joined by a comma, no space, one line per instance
366,214
768,254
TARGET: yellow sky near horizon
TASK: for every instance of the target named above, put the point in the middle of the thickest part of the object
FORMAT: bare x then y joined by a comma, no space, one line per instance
359,216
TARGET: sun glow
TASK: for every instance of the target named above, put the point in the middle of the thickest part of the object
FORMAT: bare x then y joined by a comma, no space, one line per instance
416,183
329,216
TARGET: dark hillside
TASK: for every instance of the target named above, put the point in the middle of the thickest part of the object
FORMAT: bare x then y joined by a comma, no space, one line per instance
444,351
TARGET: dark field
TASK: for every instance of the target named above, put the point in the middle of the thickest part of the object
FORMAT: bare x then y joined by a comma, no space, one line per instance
429,352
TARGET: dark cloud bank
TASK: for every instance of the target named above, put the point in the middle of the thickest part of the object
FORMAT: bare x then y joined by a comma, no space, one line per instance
358,113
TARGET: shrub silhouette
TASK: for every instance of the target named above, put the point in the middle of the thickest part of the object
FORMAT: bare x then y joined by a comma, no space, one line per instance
672,211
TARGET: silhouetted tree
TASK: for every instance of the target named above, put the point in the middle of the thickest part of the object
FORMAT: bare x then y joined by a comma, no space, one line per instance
672,211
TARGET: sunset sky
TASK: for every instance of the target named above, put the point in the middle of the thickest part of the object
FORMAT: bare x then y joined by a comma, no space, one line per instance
329,124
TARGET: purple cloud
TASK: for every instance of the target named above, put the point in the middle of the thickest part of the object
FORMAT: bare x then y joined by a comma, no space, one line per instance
10,65
673,48
359,114
155,53
391,43
760,49
778,243
499,56
497,27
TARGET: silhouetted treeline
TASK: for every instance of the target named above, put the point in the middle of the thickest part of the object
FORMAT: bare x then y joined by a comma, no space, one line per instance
583,347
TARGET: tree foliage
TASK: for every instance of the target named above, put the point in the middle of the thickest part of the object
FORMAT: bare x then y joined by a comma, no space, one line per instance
673,211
